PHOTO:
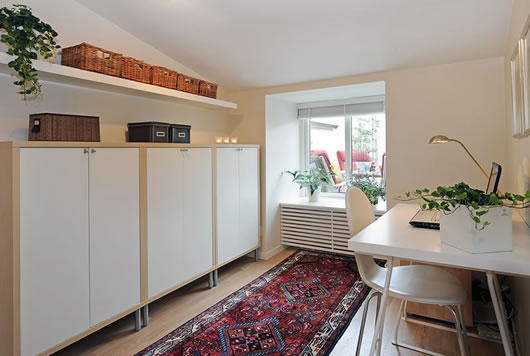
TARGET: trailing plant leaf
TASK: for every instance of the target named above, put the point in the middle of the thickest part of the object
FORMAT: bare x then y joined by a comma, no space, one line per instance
27,37
448,199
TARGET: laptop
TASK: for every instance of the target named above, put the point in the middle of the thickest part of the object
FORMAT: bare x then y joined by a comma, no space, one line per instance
430,219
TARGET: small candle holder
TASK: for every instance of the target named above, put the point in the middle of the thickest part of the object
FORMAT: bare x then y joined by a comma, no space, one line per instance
218,139
233,140
226,140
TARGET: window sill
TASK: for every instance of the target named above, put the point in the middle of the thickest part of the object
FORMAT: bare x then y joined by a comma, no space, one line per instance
326,203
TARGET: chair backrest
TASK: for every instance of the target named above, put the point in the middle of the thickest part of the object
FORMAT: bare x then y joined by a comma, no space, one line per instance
359,210
341,157
324,155
360,213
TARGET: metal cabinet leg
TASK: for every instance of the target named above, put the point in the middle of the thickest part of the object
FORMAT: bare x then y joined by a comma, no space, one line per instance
210,280
145,316
137,321
215,278
256,255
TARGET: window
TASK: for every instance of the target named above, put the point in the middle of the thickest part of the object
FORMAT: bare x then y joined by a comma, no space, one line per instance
351,144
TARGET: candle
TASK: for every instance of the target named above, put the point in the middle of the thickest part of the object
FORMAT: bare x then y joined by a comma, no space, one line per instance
233,139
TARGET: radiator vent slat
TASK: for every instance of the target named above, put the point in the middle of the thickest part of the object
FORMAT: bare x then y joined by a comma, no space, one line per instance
318,229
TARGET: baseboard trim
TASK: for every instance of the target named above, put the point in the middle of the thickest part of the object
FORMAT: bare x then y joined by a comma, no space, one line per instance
271,253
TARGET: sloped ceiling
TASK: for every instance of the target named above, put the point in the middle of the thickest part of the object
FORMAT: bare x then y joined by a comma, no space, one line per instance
246,43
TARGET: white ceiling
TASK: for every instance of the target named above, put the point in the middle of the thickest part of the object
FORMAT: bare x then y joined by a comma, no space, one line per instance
246,43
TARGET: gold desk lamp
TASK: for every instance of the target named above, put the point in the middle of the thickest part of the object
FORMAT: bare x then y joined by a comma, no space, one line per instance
445,139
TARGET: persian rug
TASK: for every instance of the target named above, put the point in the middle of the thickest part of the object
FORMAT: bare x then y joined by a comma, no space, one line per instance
300,307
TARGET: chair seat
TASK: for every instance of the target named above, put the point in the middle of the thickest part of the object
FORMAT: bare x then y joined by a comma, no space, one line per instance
422,284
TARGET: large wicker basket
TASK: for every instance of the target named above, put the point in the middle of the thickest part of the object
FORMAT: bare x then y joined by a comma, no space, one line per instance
188,84
208,89
135,69
88,57
163,77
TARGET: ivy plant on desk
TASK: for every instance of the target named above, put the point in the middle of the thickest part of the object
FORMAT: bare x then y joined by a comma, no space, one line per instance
27,38
448,199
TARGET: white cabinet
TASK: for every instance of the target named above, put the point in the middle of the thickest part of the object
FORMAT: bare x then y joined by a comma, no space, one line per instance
179,216
79,240
54,266
114,232
237,187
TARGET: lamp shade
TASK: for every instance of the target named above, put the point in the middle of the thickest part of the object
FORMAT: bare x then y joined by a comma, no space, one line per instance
439,139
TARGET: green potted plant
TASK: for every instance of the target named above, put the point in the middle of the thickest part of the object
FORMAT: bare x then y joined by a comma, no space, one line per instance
370,186
485,219
27,38
312,180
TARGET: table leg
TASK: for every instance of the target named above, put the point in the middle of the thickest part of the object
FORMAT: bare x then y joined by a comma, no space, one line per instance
378,332
500,312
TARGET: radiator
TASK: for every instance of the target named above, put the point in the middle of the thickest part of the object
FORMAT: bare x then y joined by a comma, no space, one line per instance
318,228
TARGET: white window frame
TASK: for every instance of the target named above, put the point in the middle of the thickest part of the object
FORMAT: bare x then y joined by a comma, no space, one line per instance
305,131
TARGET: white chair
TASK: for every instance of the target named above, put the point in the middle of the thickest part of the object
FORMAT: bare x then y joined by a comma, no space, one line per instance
415,283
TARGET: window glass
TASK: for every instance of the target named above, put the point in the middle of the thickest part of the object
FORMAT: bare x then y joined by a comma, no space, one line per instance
327,149
368,144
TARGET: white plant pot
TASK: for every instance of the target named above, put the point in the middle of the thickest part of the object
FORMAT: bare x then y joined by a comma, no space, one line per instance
316,194
458,230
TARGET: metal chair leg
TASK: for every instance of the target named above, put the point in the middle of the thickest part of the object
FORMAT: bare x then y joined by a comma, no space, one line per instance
464,329
459,334
363,320
396,330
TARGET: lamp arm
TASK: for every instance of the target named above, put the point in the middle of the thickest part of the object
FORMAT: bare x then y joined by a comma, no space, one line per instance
473,158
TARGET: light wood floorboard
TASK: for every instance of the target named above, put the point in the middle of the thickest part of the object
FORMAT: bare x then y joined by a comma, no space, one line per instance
170,312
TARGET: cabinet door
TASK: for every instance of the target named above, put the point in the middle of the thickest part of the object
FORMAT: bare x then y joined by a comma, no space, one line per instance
114,232
227,190
196,241
248,199
54,266
179,213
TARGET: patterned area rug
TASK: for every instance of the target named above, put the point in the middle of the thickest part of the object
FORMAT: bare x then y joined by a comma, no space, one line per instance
300,307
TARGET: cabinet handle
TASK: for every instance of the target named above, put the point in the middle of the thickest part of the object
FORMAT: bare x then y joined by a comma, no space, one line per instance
92,151
85,151
183,150
239,149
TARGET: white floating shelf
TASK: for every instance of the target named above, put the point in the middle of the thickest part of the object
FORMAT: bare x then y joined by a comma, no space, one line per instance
57,73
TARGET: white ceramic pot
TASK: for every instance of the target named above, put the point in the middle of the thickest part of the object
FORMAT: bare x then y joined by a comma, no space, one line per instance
316,194
458,230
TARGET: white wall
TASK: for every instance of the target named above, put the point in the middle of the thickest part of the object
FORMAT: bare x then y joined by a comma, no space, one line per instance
75,24
518,171
464,100
282,137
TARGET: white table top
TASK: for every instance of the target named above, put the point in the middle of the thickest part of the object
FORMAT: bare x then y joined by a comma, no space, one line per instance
392,235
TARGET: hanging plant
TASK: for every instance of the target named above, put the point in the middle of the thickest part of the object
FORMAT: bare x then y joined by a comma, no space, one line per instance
27,38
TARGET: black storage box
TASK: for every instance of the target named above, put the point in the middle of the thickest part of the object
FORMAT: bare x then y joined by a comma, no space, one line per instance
150,131
179,133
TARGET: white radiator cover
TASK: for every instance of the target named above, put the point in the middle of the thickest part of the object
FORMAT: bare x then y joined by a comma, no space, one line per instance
319,228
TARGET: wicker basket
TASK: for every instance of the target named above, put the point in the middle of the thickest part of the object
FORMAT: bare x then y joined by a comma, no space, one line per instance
134,69
92,58
163,77
188,84
208,89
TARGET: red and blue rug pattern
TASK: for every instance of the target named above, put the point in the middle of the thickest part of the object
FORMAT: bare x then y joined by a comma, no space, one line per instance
300,307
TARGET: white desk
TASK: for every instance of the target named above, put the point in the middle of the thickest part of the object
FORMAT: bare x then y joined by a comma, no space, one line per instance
392,236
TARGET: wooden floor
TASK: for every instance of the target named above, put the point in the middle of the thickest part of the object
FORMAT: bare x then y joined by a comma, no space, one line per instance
173,310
